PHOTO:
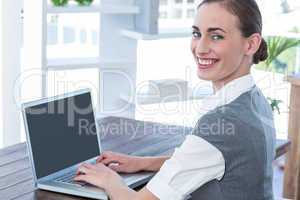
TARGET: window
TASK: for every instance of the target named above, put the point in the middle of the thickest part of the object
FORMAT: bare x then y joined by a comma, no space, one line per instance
190,13
178,1
163,2
163,14
70,36
178,10
73,35
177,13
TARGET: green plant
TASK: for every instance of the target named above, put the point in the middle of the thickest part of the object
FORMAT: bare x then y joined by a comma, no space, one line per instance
277,45
65,2
274,103
84,2
59,2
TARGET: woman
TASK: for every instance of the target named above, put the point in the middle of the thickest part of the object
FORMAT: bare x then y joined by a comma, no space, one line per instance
233,142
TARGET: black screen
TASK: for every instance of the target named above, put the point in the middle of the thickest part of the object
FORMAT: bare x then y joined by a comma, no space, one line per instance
62,133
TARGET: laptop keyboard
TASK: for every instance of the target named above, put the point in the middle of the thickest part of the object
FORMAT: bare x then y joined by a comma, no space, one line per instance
69,178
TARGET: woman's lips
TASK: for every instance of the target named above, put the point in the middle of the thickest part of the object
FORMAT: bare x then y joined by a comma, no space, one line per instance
206,63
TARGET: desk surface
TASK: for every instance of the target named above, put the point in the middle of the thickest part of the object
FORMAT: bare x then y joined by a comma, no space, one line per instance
145,138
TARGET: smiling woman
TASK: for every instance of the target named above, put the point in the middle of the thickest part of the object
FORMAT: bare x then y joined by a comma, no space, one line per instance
232,144
224,45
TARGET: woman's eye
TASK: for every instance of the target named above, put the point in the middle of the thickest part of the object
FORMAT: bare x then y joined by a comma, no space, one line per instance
217,37
196,34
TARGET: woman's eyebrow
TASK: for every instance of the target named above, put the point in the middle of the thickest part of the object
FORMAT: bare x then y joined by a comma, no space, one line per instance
196,28
215,29
212,29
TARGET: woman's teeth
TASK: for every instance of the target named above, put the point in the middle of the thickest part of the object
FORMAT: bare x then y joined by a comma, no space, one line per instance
206,61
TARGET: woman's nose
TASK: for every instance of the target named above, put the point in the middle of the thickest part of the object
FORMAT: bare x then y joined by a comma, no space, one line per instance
202,46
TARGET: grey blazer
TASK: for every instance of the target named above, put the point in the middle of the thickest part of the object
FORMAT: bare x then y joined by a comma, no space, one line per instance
244,132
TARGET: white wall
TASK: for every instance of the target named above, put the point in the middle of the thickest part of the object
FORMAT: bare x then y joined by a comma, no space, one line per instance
10,65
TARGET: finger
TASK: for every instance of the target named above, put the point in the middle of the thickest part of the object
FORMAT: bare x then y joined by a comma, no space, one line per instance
100,166
92,167
106,155
89,166
116,167
82,178
107,161
87,179
79,170
84,170
108,158
101,157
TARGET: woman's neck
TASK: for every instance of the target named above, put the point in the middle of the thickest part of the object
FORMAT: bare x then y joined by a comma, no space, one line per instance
219,84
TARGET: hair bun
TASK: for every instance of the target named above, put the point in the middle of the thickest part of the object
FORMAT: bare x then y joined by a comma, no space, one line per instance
262,52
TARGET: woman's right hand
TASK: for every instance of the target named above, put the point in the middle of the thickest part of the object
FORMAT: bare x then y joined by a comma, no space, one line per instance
121,162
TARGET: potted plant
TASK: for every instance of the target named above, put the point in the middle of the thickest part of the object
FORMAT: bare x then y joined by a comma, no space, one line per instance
277,45
65,2
274,103
84,2
59,2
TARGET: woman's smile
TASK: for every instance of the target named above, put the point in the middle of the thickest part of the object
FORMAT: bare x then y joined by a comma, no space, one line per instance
206,63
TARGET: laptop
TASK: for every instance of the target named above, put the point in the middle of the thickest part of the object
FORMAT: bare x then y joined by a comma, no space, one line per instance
61,134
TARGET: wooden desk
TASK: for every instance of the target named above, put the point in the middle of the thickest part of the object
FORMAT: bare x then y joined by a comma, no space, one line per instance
120,135
291,174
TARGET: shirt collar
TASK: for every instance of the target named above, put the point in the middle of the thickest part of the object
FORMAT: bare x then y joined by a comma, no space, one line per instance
229,92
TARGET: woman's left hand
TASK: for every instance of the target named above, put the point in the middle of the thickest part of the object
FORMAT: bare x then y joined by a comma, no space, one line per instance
98,175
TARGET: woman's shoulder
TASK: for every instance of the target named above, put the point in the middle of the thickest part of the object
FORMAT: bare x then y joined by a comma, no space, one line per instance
249,106
215,123
238,115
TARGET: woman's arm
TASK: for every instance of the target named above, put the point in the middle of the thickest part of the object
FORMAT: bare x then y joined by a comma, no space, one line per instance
131,164
121,191
125,193
152,163
193,164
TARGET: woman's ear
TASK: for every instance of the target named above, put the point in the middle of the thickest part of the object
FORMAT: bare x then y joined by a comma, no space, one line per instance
253,43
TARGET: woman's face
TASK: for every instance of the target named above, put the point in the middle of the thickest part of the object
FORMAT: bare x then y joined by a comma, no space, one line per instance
218,45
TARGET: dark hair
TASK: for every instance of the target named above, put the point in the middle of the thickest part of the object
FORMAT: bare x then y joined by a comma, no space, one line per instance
250,20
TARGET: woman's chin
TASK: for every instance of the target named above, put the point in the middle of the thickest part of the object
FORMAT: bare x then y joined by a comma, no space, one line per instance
206,76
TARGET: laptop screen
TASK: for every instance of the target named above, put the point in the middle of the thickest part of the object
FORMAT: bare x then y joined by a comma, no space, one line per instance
62,133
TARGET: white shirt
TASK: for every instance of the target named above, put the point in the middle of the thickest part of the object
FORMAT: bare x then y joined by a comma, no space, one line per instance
196,161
